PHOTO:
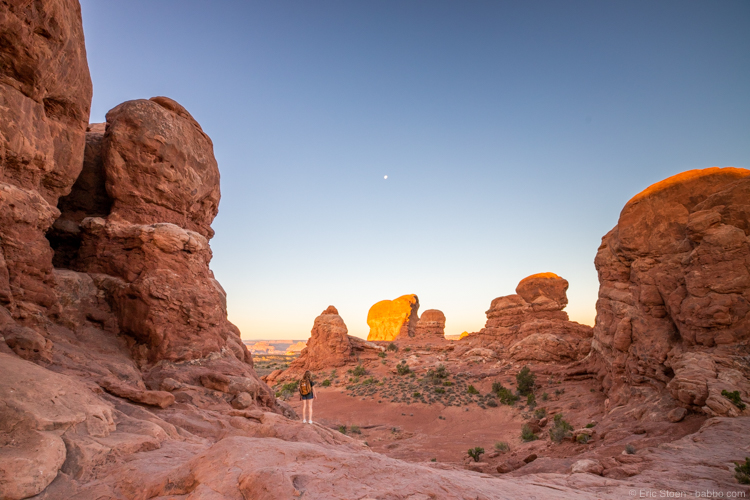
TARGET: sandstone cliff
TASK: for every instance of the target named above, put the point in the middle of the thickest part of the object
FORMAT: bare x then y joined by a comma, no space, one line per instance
674,296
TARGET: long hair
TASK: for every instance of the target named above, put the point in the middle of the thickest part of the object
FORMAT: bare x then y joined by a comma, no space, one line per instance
307,375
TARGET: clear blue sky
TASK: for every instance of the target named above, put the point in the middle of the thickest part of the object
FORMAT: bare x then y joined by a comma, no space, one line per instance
512,134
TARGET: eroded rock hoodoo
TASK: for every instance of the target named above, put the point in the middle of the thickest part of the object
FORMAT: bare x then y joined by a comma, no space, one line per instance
431,325
389,319
674,293
531,324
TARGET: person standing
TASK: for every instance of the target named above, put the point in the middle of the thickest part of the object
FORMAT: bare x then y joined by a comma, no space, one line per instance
307,395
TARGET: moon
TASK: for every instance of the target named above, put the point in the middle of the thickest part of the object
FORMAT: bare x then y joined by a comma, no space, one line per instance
385,177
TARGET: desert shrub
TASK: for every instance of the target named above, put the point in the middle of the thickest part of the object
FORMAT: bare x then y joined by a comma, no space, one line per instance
734,397
472,390
382,361
392,347
407,349
476,452
742,471
326,383
369,381
402,368
416,394
359,371
382,354
447,383
583,438
560,430
342,429
287,390
439,390
590,425
354,429
505,396
630,449
540,413
531,400
502,446
527,434
544,397
492,403
559,392
525,381
433,460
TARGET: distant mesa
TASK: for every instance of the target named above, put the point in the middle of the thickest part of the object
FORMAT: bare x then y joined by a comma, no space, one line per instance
388,319
296,347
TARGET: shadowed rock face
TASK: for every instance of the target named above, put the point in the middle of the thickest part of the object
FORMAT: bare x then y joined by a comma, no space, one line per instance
531,325
388,319
329,344
674,293
45,95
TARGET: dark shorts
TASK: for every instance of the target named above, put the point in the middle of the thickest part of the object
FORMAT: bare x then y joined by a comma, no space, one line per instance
309,396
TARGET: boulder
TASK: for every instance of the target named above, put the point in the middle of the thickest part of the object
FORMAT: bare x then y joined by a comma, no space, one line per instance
27,343
588,466
162,399
677,414
674,294
389,319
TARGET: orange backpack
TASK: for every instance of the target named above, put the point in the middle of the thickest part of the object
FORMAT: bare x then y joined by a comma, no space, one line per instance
304,387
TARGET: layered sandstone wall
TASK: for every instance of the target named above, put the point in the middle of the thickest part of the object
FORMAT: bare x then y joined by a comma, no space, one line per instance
674,295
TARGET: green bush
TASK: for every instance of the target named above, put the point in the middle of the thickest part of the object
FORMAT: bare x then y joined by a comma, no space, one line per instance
735,398
590,425
416,394
439,390
407,349
433,460
382,354
354,429
531,400
447,383
630,449
492,403
527,435
359,371
392,347
505,396
342,429
742,471
326,383
583,438
476,452
472,390
502,446
540,413
370,381
560,430
544,397
525,381
402,368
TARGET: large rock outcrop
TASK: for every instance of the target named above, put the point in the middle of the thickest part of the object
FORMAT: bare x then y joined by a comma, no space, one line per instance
388,319
154,191
45,96
431,325
330,346
531,324
674,296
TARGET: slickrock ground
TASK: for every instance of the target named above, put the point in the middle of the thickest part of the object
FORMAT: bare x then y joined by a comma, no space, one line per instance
121,378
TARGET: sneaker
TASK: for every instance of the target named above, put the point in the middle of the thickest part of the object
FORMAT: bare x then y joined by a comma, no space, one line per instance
310,422
304,421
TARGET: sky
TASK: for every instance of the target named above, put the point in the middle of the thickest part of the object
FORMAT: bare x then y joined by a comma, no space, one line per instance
511,135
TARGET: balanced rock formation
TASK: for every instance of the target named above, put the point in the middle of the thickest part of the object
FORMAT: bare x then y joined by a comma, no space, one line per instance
674,294
531,325
431,324
388,319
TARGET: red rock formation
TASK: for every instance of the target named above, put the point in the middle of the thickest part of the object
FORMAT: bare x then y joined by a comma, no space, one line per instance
388,319
45,95
674,295
431,324
532,325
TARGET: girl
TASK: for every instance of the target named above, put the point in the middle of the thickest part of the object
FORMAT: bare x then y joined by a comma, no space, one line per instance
307,395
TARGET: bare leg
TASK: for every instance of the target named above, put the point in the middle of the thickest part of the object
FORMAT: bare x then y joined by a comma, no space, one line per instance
310,401
304,410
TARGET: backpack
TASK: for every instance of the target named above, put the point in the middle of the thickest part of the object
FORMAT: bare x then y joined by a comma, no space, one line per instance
304,387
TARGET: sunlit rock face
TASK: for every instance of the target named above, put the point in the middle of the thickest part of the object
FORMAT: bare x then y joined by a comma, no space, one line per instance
674,293
388,319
